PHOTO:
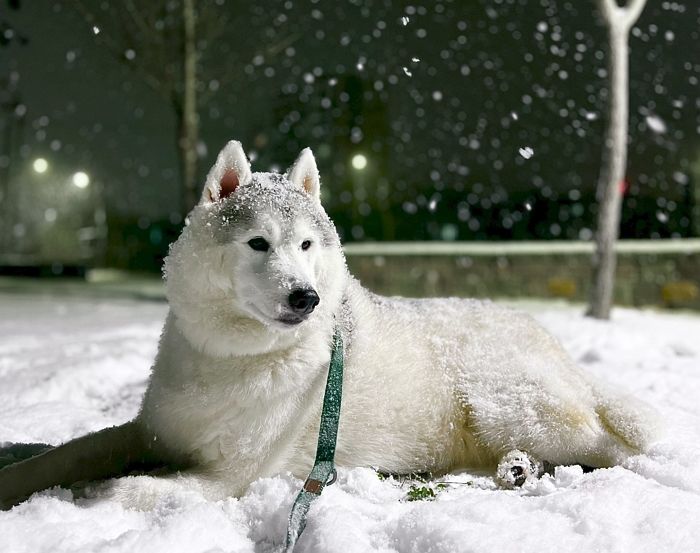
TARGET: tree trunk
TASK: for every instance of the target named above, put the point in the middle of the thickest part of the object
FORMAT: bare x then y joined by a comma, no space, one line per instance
188,119
609,194
610,184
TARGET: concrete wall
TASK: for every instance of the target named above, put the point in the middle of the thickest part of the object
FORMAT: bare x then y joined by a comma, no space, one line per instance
662,273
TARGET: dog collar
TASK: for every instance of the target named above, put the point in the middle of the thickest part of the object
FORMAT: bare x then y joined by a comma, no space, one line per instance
323,472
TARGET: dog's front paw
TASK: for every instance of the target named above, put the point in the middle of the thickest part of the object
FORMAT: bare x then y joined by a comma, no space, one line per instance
516,468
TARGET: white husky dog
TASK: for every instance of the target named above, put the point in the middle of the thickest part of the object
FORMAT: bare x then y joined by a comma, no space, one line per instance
257,283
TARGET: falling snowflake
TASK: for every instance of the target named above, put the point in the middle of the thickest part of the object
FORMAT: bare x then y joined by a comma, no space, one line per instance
526,152
656,124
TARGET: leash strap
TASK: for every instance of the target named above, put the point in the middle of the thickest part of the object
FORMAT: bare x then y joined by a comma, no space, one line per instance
323,472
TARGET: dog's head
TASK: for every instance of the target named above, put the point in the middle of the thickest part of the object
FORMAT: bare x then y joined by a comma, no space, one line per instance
260,260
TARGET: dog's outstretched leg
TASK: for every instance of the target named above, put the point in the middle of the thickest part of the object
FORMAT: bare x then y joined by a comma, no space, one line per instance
108,453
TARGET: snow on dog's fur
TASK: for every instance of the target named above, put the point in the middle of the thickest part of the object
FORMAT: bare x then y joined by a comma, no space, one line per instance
257,282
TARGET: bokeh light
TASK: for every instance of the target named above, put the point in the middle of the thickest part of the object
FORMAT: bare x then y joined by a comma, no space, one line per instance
359,162
40,165
81,179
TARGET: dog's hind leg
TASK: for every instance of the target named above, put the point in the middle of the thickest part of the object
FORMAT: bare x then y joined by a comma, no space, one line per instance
111,452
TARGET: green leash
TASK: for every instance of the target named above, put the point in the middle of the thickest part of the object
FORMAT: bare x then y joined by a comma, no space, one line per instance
323,473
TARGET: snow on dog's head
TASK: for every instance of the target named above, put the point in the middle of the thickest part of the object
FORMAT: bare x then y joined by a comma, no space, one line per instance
259,261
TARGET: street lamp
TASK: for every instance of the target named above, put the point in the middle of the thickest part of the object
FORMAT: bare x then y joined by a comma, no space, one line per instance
359,162
40,165
81,179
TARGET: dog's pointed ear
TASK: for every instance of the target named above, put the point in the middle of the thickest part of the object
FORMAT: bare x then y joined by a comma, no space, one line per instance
304,174
230,171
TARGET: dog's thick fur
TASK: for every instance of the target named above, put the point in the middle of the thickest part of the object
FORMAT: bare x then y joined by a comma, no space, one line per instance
430,385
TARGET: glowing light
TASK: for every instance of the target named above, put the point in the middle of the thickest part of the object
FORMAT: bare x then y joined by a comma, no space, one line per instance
81,180
359,162
40,165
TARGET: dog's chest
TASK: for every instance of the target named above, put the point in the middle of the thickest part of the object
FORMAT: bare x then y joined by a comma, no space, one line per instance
241,419
236,412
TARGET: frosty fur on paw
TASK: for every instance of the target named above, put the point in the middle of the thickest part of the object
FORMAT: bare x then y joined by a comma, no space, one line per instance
516,468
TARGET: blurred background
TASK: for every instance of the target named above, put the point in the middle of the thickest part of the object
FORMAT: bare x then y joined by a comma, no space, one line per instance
459,143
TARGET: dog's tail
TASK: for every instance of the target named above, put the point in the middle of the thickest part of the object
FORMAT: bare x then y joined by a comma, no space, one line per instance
111,452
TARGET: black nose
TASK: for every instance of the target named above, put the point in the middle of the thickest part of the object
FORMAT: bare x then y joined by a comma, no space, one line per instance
303,301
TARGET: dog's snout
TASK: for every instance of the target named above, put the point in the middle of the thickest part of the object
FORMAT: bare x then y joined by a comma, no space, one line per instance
304,300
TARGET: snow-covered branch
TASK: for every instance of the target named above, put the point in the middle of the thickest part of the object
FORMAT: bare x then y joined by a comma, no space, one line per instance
621,18
609,9
633,11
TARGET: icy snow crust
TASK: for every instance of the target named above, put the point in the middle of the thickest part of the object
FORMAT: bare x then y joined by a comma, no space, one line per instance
70,365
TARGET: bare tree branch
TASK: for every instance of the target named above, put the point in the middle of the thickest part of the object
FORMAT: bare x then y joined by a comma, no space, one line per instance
212,23
621,18
153,74
137,18
276,48
608,8
633,10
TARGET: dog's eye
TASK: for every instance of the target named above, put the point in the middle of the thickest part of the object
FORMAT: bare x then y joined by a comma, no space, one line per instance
306,244
259,244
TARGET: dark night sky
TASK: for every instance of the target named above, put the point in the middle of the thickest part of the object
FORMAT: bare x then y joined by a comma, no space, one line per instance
449,123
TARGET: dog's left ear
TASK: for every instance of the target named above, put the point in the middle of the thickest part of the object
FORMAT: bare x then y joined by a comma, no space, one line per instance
230,171
304,174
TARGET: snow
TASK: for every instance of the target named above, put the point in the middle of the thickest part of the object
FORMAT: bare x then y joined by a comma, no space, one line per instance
71,363
656,124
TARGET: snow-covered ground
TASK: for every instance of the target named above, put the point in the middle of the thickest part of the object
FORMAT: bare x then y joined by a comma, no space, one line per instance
70,364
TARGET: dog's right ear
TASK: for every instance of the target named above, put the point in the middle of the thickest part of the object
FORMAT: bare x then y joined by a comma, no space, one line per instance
230,171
